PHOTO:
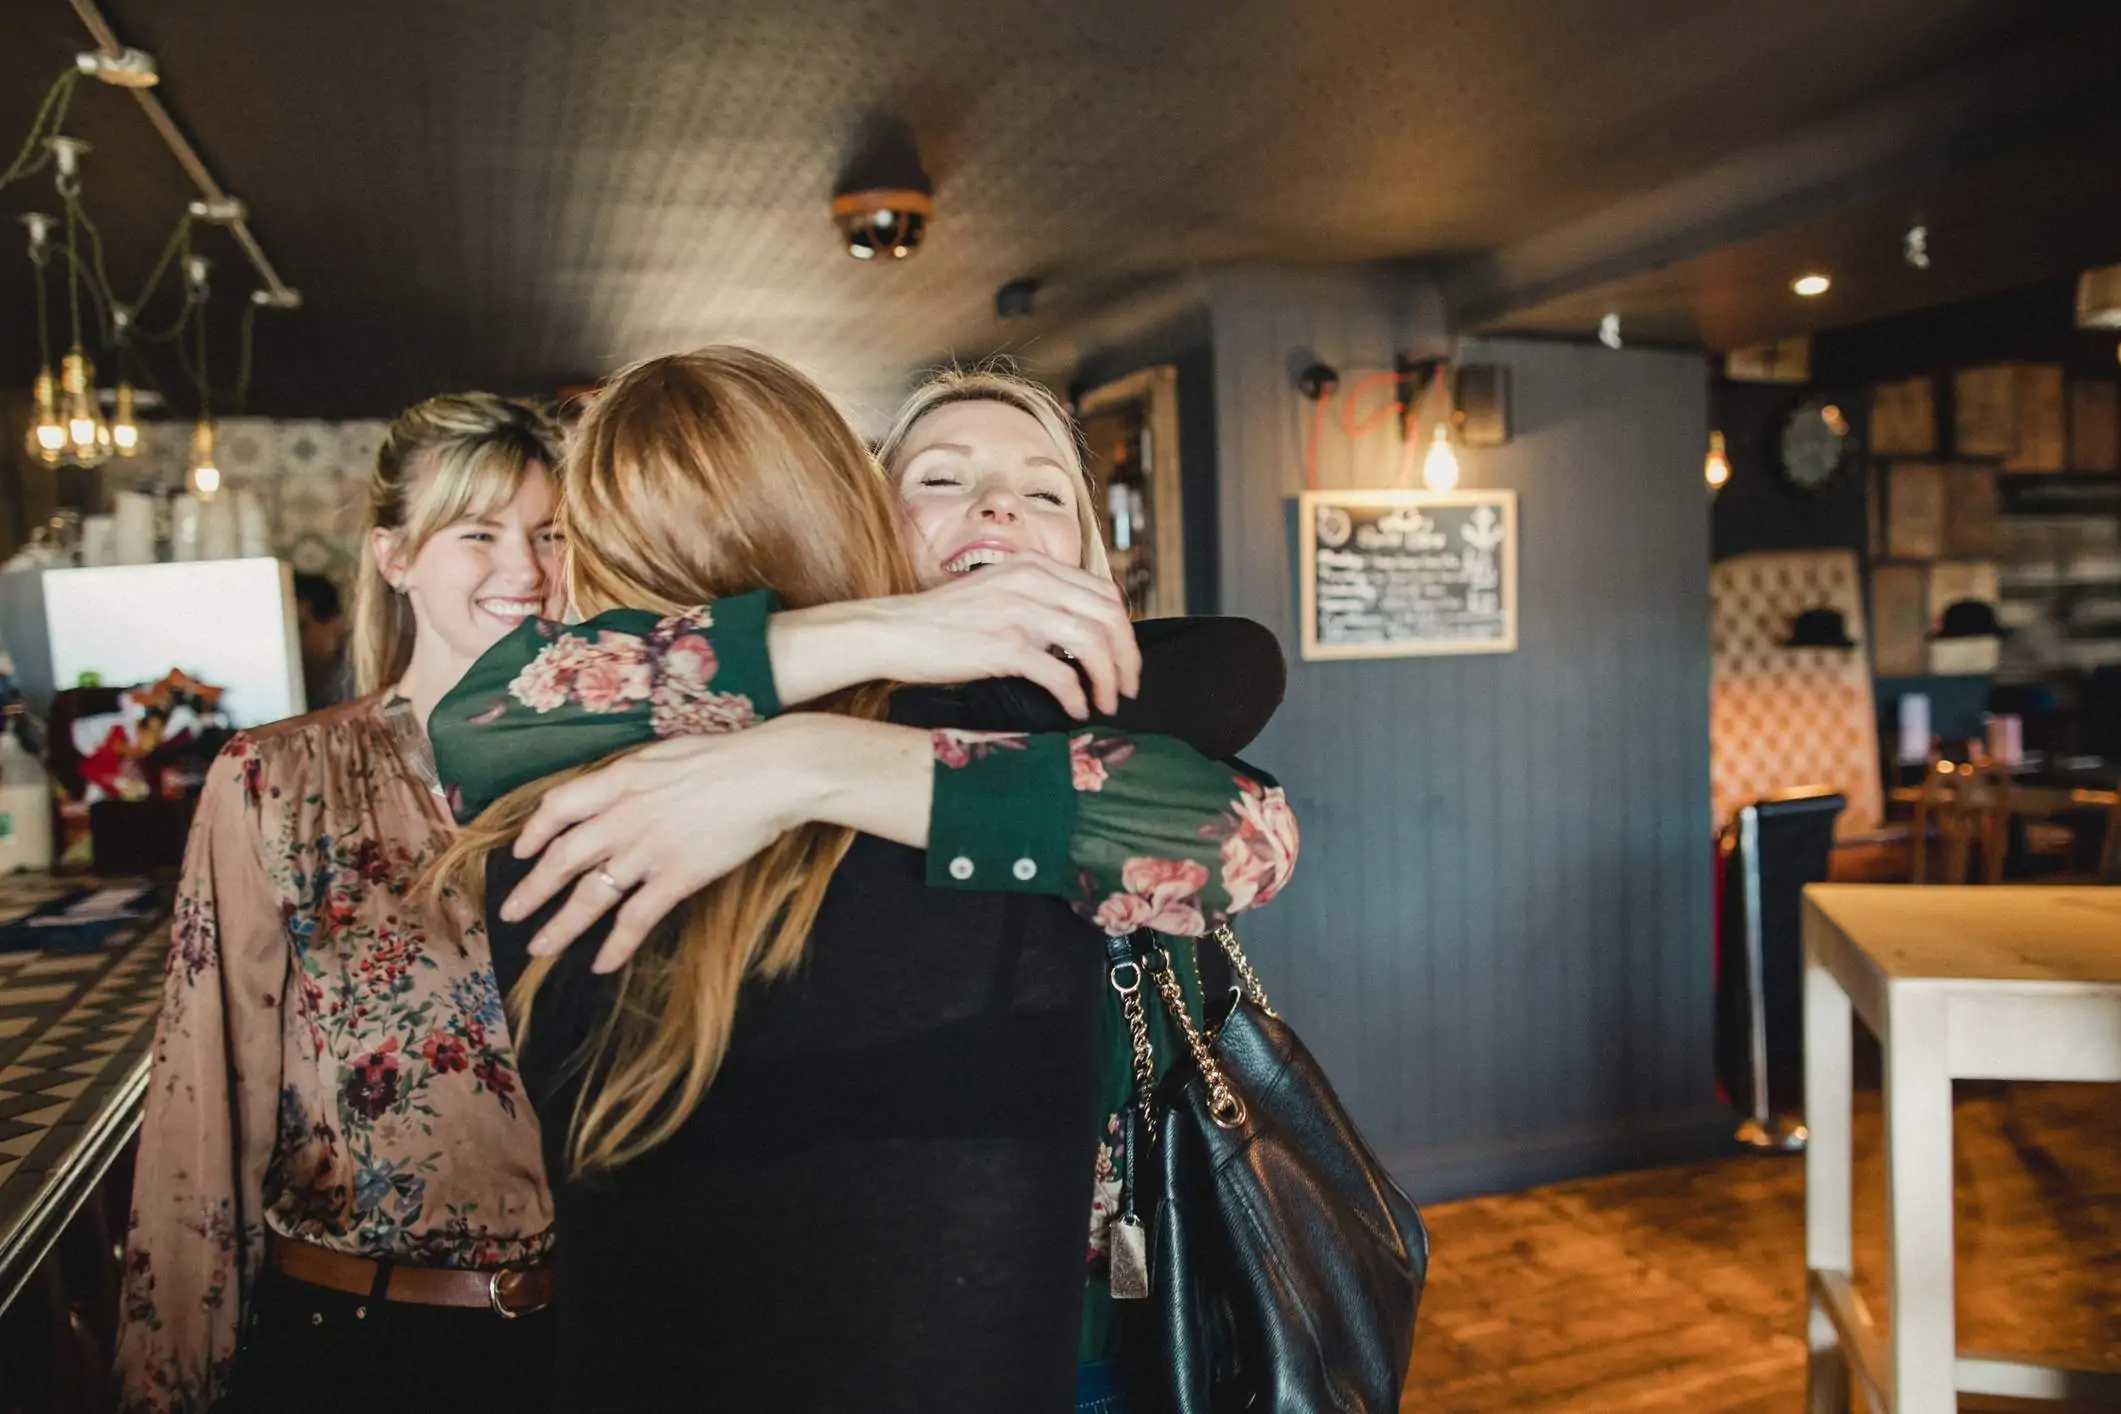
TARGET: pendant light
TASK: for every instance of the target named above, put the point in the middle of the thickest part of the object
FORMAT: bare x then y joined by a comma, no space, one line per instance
88,441
202,475
124,430
47,434
124,426
46,440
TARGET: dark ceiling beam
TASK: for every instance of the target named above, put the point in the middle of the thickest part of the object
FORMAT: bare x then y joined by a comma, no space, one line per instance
1947,123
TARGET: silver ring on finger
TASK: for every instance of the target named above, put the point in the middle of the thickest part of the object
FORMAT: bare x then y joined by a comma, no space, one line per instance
610,882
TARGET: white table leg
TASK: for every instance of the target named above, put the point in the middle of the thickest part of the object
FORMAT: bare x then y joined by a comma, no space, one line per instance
1828,1078
1918,1169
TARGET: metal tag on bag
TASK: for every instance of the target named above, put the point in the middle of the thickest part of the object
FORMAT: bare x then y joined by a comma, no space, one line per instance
1129,1248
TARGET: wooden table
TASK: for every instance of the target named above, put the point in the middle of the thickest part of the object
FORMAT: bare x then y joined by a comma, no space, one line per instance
2034,798
1996,982
76,1029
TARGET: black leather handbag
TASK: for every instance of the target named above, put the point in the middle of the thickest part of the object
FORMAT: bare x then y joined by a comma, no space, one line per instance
1284,1264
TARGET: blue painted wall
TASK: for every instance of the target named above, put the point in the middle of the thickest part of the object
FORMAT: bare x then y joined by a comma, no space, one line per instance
1498,940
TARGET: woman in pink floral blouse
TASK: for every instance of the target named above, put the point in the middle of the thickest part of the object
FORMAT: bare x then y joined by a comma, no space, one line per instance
335,1145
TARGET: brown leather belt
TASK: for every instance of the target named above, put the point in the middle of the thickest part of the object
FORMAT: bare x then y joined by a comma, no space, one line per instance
508,1291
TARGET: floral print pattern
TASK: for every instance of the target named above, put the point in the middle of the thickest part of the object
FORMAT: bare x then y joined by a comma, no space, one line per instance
624,677
331,1064
1258,845
1091,759
669,671
1227,840
957,749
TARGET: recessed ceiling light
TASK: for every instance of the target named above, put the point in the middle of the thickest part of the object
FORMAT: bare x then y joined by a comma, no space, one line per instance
1811,286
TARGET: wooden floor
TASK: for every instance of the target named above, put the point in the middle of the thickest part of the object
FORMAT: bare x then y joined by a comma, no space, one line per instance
1683,1289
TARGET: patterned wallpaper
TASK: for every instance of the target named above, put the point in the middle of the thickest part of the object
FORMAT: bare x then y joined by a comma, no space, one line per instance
311,475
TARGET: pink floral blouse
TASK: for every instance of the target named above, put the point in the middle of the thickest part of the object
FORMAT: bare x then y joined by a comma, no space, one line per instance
328,1066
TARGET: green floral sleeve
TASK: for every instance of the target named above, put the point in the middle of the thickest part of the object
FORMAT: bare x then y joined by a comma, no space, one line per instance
551,695
1134,831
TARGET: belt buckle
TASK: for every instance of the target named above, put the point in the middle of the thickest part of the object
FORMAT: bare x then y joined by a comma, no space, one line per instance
500,1307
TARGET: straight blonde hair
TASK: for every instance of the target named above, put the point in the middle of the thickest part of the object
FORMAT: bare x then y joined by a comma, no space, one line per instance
691,477
458,456
1034,400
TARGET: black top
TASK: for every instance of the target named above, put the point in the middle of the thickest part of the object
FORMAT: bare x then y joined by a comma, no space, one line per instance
879,1206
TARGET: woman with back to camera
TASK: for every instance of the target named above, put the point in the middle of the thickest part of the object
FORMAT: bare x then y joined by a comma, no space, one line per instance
876,1203
340,1202
973,457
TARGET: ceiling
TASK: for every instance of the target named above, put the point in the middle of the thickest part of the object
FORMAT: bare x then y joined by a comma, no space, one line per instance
2000,224
519,194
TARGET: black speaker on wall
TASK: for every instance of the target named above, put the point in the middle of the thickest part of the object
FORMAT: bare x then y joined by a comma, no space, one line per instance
1482,400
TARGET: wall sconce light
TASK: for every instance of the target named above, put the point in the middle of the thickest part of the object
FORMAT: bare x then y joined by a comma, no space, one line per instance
1716,468
1439,463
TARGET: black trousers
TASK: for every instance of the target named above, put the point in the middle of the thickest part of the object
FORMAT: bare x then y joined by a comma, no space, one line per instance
309,1350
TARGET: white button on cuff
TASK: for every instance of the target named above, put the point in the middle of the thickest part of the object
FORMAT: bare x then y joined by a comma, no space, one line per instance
961,868
1024,869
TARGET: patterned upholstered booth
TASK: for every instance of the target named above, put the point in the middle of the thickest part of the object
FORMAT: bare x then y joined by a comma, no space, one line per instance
1780,717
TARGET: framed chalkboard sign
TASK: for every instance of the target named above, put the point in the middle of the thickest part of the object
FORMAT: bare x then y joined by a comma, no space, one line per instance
1408,574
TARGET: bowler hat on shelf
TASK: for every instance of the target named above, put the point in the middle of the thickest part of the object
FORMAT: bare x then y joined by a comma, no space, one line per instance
1819,628
1969,618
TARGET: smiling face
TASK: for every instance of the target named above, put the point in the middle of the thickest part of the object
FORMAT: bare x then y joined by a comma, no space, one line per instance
476,578
982,481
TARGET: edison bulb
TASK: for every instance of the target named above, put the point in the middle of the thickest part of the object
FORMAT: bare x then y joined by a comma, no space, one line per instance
1439,467
1716,470
124,432
47,438
201,476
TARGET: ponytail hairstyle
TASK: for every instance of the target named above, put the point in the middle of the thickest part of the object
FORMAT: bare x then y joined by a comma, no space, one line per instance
452,457
689,478
1035,401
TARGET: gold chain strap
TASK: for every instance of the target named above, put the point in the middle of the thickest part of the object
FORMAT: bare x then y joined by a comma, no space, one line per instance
1130,1004
1224,1106
1255,992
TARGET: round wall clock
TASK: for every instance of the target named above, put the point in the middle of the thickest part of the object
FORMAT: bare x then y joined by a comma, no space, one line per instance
1815,443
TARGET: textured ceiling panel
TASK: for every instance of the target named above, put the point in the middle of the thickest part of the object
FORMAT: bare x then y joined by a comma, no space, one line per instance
520,193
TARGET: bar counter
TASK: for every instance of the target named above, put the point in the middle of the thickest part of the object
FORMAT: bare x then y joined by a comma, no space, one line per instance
76,1032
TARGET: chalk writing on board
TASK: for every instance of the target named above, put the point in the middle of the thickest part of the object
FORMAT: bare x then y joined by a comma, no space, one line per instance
1408,573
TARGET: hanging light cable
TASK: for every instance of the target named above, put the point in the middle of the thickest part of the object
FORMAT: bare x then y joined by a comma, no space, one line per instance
51,114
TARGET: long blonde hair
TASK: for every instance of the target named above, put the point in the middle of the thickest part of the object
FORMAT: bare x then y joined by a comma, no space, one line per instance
691,477
456,456
1034,400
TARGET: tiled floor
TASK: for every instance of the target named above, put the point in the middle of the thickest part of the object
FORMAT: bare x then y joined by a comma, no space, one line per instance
1683,1289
